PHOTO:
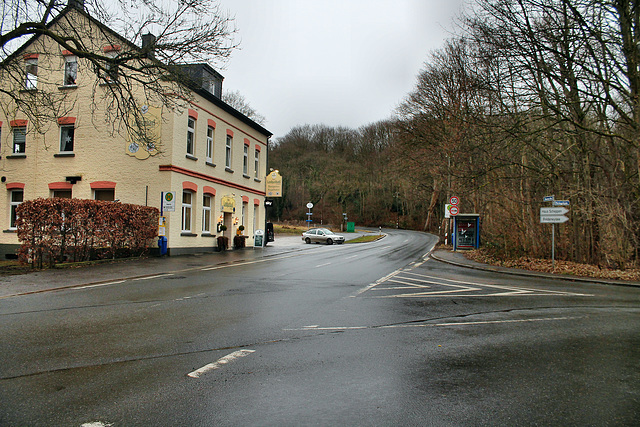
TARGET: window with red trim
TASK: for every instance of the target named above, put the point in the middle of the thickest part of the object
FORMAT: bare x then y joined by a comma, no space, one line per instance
206,213
228,152
19,139
31,72
17,197
191,136
210,139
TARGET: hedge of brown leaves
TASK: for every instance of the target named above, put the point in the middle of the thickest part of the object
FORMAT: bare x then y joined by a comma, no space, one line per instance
71,230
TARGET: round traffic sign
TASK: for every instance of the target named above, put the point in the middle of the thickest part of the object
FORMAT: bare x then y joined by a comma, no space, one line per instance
453,210
454,200
309,205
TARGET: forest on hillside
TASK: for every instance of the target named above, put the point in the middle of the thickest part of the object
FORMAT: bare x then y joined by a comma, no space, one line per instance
532,98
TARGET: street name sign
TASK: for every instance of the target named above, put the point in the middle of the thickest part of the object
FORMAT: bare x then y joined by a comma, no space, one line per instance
553,211
553,219
561,203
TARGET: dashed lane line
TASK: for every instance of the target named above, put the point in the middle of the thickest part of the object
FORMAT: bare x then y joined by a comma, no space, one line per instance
220,363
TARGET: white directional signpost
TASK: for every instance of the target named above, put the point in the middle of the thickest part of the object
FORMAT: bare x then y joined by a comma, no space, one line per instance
553,216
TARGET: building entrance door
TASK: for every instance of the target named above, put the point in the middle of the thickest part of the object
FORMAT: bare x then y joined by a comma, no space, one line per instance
228,221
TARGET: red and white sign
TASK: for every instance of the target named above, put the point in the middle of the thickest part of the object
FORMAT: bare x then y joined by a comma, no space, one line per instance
453,210
454,200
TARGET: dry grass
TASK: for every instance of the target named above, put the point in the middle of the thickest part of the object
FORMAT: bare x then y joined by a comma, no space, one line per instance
561,267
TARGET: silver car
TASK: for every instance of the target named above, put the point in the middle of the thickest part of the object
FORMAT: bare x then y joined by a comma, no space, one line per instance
322,235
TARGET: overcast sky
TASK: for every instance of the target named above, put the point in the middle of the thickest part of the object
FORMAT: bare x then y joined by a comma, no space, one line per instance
333,62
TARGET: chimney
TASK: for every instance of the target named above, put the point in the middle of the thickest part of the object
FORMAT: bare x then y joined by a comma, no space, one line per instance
77,4
148,44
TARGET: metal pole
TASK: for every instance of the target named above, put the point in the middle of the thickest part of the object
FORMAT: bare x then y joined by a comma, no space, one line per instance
553,247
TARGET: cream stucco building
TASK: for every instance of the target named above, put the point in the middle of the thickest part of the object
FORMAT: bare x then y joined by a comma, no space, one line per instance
211,156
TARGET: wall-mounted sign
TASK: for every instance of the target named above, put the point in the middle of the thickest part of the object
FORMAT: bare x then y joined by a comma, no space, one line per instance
274,184
228,204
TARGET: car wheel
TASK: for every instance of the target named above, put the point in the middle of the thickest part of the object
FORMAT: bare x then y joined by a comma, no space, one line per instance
329,242
307,241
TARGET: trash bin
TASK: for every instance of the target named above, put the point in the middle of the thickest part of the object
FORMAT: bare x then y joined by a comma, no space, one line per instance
270,234
162,244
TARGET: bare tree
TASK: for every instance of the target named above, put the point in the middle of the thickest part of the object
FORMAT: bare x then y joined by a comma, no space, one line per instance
153,40
239,102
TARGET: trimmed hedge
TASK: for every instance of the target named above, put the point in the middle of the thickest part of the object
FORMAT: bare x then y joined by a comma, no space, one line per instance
71,230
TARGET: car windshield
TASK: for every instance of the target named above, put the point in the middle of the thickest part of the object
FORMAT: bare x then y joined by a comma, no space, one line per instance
327,231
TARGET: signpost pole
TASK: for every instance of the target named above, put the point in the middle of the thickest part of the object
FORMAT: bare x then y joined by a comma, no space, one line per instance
553,247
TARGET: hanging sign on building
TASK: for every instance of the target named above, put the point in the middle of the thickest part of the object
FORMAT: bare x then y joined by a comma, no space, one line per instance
274,184
228,204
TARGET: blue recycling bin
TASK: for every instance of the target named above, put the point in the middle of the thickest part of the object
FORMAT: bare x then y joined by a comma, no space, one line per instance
162,244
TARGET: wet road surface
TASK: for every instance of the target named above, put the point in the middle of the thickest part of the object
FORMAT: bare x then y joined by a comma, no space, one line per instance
367,334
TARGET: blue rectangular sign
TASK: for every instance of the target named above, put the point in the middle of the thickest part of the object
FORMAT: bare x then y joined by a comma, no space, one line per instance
561,203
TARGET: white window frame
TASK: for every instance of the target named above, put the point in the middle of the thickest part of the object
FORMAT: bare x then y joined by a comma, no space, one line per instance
191,136
19,130
31,74
187,211
12,208
244,214
245,160
207,202
256,163
228,152
210,137
255,218
70,70
63,129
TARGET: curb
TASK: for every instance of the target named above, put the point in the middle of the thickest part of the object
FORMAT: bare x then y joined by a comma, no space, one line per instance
523,273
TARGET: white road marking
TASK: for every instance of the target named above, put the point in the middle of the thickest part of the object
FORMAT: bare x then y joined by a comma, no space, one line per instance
323,265
220,363
352,256
412,280
432,325
96,424
376,283
101,284
153,277
239,264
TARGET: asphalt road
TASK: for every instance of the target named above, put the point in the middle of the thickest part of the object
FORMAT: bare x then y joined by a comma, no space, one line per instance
366,334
